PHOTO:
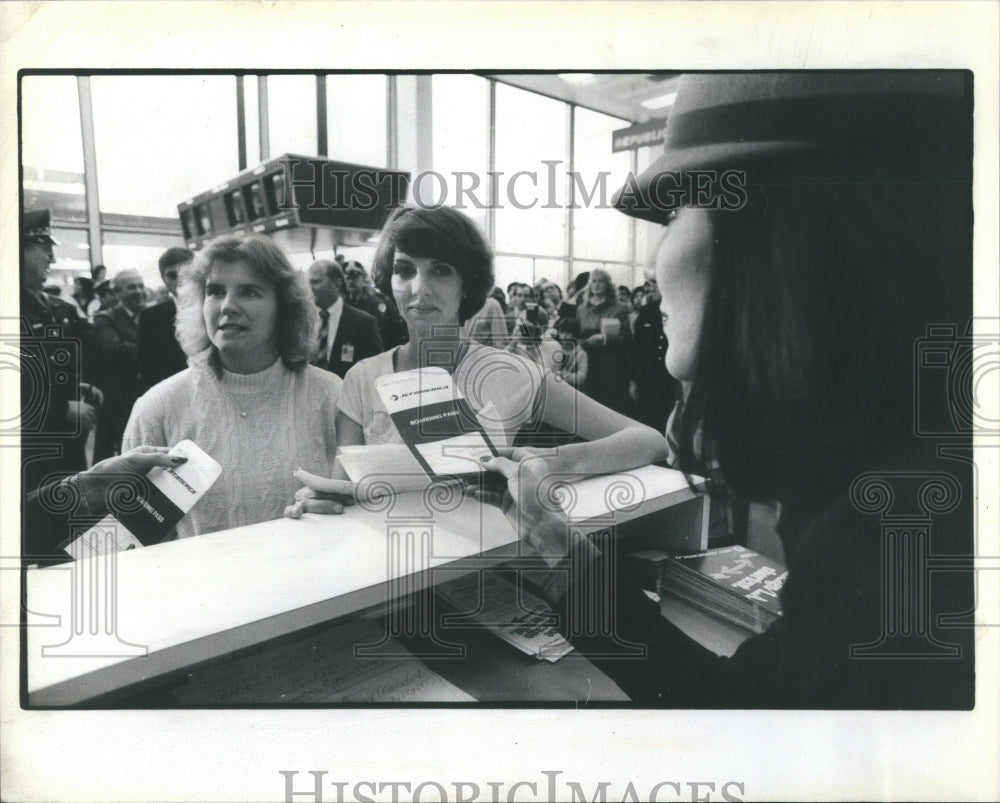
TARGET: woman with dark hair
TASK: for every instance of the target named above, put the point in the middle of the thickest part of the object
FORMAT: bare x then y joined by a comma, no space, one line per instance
796,292
438,268
562,354
247,321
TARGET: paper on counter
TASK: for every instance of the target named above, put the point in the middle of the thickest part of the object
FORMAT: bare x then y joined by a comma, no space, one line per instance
514,614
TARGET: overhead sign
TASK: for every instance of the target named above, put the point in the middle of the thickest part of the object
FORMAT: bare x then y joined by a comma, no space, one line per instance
639,136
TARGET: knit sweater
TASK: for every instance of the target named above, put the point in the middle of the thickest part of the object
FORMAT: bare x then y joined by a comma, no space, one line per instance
259,427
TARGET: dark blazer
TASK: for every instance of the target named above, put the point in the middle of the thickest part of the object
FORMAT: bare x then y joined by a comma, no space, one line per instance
357,338
160,355
116,336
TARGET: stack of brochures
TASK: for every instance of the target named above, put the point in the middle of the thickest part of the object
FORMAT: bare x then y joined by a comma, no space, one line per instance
733,582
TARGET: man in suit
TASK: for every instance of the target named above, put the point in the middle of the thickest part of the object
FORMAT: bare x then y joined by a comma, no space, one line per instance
116,333
160,355
346,334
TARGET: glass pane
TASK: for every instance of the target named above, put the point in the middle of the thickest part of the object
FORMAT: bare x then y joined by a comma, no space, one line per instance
461,142
599,231
52,147
161,139
647,234
291,114
139,252
530,130
355,118
72,259
512,269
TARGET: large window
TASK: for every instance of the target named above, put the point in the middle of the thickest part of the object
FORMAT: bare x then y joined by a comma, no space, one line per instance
531,158
291,114
138,252
52,148
599,231
355,119
461,142
161,139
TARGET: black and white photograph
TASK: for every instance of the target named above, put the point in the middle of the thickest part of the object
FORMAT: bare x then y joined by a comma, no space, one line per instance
390,423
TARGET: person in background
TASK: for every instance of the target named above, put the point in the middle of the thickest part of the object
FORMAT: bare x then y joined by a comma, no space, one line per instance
638,300
625,296
519,294
551,297
106,298
529,331
160,354
852,204
606,337
117,360
489,325
574,292
439,267
346,335
651,387
56,411
562,354
249,398
501,299
84,295
362,295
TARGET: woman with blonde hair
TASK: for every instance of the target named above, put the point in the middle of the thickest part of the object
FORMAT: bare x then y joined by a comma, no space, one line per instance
249,398
606,336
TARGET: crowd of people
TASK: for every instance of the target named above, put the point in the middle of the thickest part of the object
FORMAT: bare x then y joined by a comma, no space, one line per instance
777,334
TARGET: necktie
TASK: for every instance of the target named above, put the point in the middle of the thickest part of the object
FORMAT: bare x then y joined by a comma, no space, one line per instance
320,358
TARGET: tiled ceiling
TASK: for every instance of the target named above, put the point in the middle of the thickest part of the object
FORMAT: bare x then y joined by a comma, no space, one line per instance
617,94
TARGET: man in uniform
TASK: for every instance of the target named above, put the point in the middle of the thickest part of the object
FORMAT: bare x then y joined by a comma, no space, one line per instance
362,295
57,409
653,390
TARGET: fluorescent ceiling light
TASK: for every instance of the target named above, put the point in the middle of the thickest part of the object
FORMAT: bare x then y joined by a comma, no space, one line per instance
579,78
660,101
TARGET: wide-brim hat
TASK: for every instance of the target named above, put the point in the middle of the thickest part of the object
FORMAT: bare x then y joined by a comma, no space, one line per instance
914,124
36,227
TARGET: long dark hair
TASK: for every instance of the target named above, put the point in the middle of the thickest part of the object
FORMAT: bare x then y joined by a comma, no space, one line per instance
820,292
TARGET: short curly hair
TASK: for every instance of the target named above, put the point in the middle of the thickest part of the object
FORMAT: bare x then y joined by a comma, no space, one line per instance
442,233
298,319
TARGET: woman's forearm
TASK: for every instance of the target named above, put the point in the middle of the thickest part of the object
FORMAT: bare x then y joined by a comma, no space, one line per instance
634,446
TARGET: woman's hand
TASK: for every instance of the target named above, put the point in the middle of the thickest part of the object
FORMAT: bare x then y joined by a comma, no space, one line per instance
96,480
531,502
320,495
